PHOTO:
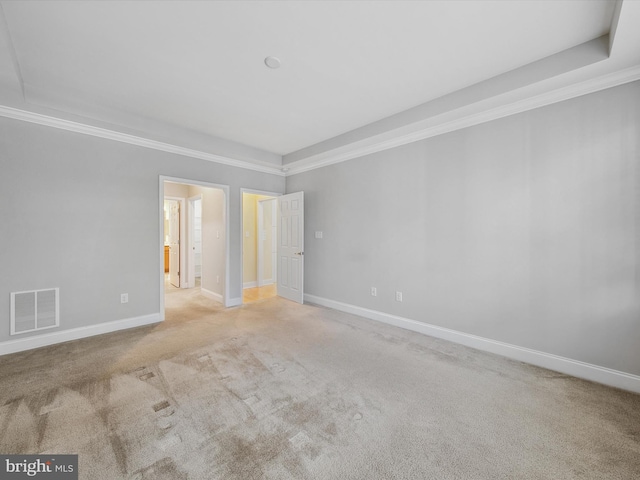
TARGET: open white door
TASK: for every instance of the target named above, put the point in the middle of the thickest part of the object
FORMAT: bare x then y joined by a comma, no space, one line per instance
195,240
291,246
174,243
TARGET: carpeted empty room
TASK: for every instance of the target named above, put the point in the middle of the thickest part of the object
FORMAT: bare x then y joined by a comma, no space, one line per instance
320,240
277,390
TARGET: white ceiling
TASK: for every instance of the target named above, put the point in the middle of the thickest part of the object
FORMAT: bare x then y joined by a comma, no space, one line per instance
198,66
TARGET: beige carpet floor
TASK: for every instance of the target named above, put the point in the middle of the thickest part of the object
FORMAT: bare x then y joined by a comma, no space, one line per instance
276,390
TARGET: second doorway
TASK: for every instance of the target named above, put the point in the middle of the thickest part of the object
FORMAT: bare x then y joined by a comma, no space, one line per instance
259,247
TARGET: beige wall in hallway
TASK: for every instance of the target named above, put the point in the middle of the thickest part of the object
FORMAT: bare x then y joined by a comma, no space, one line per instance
250,237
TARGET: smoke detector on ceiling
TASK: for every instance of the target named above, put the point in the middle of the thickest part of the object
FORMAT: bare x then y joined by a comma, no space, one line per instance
272,62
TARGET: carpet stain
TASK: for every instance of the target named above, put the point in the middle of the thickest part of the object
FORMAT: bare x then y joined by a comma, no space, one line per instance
331,429
7,414
119,451
161,406
242,458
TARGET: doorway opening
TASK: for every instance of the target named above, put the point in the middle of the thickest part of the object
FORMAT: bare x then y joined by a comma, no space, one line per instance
193,240
259,245
273,245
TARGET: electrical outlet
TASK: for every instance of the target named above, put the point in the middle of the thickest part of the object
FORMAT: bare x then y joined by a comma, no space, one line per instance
318,234
398,296
374,292
217,278
124,298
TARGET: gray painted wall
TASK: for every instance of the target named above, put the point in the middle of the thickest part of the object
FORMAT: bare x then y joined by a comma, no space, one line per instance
81,213
524,230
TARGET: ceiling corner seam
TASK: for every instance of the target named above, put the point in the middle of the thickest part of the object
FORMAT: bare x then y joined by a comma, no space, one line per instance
614,24
12,50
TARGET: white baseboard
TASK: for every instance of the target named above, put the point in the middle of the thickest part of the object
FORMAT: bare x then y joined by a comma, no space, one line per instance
37,341
576,368
268,281
234,302
212,295
250,284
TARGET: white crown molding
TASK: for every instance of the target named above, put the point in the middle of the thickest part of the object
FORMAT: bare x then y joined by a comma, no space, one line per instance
84,129
372,145
575,368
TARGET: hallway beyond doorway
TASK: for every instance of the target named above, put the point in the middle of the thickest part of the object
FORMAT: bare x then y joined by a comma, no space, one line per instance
259,272
203,238
258,293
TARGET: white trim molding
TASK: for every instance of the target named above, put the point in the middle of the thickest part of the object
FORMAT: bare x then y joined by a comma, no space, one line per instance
234,302
37,118
250,284
417,131
212,295
425,128
413,132
37,341
575,368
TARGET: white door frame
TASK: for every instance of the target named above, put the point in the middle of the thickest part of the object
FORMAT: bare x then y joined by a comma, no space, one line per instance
191,267
188,181
183,235
242,192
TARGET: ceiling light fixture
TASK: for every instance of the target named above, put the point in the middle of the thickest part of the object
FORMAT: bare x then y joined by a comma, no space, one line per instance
272,62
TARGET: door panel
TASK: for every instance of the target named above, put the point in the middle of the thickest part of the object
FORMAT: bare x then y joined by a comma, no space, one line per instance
291,246
294,283
194,250
284,272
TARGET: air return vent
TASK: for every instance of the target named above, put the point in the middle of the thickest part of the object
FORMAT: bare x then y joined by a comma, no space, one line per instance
34,310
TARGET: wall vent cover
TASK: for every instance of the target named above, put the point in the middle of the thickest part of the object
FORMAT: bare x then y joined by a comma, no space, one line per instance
34,310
